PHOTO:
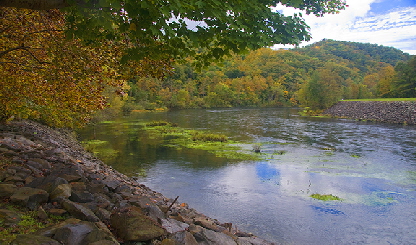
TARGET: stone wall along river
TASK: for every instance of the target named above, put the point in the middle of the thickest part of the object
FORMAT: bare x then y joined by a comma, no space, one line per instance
381,111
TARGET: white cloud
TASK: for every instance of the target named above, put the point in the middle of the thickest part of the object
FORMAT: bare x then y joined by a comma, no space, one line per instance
358,23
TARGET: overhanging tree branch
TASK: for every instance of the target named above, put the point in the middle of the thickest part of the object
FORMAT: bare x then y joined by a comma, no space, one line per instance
35,4
2,53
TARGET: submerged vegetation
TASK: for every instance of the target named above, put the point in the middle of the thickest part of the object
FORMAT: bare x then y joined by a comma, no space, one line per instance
218,144
167,134
325,197
100,148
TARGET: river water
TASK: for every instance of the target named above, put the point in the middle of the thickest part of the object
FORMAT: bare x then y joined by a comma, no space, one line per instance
371,167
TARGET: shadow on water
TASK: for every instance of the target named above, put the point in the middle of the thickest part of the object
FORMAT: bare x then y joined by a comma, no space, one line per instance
369,167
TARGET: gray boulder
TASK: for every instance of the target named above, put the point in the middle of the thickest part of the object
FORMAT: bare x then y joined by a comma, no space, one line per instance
208,237
9,218
6,190
79,211
30,239
62,191
82,233
29,197
132,225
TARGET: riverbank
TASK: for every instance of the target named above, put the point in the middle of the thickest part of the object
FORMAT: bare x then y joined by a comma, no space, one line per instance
403,112
73,198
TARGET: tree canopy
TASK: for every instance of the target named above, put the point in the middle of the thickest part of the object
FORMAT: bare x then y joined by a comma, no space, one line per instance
59,81
59,57
205,29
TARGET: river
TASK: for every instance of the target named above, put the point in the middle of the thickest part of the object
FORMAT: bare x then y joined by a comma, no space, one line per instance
370,167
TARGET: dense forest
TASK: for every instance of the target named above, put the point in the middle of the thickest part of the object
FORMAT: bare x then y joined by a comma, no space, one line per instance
59,65
316,76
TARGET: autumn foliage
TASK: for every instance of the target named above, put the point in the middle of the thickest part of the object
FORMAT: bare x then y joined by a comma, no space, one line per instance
55,79
45,76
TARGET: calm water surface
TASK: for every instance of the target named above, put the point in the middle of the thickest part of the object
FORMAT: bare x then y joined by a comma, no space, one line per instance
370,166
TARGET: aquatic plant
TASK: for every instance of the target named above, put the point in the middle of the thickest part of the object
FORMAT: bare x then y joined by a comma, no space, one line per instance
201,136
161,123
178,138
100,148
279,152
325,197
256,147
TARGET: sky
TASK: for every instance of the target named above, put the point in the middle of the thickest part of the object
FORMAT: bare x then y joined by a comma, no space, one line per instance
389,23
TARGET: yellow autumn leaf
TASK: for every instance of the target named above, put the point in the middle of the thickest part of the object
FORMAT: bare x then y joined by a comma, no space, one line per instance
133,27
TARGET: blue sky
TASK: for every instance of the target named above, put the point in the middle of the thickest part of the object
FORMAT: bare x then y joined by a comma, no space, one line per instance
385,22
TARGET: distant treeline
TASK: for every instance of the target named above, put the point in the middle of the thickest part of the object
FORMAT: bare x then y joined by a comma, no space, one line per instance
316,76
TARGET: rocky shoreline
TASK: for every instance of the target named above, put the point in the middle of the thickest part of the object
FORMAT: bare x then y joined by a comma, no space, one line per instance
403,112
47,172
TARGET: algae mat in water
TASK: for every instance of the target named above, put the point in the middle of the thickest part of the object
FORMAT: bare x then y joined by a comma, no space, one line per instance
326,197
218,144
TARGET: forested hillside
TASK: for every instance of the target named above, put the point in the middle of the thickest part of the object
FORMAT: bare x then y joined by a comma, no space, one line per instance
362,55
317,76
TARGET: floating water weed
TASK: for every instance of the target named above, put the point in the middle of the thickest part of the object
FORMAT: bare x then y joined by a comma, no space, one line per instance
217,144
325,197
161,123
279,152
256,147
200,136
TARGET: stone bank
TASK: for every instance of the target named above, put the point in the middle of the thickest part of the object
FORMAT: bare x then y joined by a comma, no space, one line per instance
45,170
382,111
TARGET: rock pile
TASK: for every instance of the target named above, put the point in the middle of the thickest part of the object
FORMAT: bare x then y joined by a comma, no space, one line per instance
381,111
47,171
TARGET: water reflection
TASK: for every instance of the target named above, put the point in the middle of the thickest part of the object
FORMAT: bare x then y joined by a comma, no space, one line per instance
370,166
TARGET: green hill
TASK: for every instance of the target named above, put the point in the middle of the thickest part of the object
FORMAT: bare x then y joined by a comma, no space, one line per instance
364,56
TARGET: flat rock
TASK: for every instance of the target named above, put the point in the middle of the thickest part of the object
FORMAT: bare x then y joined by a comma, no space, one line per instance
8,217
30,239
185,238
79,211
172,226
253,241
132,225
81,233
6,190
62,191
208,237
29,197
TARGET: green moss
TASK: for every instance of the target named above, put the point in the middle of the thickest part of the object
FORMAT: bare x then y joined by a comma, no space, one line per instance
28,224
325,197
